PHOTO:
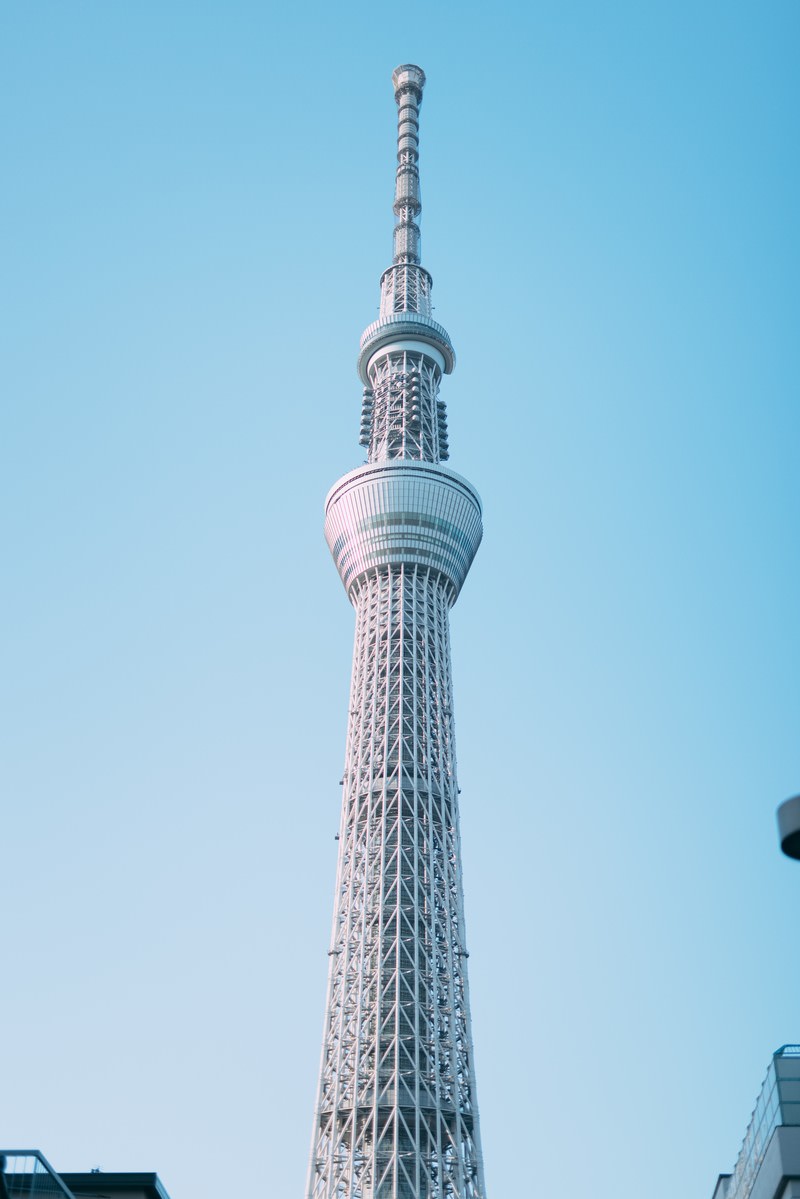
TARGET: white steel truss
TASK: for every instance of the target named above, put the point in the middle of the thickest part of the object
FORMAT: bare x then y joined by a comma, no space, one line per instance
408,419
396,1114
406,288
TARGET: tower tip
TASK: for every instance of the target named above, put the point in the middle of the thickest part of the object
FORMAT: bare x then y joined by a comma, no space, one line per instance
408,76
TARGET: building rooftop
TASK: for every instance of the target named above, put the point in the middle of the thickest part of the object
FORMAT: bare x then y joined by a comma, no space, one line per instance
115,1186
777,1106
26,1172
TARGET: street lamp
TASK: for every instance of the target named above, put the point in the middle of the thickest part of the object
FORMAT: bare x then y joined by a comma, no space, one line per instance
789,827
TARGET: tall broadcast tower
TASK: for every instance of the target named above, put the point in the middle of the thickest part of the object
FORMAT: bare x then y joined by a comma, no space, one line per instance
396,1115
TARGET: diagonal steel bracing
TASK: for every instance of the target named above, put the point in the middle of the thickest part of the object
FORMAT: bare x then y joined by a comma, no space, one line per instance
396,1114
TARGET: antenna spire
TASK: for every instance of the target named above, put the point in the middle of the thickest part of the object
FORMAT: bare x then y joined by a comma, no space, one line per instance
408,83
406,286
404,353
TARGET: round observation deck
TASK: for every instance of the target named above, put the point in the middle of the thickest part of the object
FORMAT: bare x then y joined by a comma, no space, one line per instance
399,513
399,329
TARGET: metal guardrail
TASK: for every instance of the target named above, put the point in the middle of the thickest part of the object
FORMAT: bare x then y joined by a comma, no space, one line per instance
27,1173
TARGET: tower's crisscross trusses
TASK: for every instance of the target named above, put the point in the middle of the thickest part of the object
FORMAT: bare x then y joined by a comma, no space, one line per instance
396,1114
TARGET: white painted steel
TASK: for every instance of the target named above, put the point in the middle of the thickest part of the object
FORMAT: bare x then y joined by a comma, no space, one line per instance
396,1114
403,513
395,326
407,346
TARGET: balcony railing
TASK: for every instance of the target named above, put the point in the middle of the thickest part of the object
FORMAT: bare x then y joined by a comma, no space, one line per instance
26,1172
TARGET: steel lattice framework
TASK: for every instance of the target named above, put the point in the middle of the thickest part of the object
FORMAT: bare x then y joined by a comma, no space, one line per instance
396,1115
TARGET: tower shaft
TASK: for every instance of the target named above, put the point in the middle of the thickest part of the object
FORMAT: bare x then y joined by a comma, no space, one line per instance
396,1115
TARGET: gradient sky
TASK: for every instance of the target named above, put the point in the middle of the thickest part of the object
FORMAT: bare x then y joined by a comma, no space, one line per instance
196,209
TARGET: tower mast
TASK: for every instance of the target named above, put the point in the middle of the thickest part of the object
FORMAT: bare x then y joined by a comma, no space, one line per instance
396,1114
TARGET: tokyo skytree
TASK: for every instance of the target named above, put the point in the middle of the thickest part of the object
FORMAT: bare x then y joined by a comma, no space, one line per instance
396,1114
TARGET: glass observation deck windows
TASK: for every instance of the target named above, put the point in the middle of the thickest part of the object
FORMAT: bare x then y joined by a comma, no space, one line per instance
403,513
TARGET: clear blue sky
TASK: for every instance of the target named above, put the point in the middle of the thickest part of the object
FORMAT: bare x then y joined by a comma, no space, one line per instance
196,209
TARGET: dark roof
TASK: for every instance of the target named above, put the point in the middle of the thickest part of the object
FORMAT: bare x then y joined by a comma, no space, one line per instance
115,1186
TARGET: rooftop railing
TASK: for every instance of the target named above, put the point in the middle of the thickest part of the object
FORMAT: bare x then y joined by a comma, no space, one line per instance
26,1172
